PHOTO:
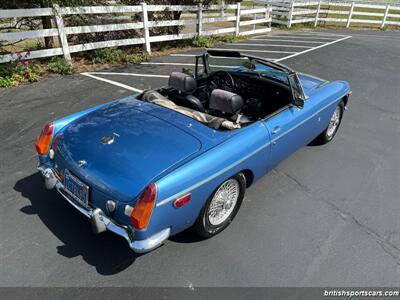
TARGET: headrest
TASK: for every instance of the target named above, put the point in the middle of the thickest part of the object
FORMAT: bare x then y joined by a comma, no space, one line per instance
182,82
225,101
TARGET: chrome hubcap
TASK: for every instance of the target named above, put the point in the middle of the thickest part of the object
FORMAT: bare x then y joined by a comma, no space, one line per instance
334,122
224,202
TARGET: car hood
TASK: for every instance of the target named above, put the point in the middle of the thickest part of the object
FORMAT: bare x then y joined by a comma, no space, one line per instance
310,83
124,148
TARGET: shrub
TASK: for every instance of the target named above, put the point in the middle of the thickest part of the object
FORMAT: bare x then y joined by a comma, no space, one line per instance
107,56
60,66
203,41
20,71
10,81
135,58
229,38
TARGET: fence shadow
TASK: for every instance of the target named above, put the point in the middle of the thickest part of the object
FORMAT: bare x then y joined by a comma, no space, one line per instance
74,230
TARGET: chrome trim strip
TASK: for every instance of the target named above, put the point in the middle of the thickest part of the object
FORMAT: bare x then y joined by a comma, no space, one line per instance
204,181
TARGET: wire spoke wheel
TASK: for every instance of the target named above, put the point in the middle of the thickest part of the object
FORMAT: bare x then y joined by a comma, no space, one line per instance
224,202
334,122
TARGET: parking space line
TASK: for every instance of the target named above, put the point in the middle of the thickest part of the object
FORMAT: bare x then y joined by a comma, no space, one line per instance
130,88
321,33
182,64
127,74
252,50
295,36
292,36
271,45
312,49
166,63
184,55
272,39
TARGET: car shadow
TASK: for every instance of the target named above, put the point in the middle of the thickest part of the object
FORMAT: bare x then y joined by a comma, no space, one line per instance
108,253
186,237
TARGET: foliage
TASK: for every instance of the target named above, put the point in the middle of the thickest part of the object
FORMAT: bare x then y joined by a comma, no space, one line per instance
210,41
20,71
133,58
115,55
107,56
229,38
203,41
60,66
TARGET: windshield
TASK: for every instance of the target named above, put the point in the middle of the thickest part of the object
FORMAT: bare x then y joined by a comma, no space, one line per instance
246,65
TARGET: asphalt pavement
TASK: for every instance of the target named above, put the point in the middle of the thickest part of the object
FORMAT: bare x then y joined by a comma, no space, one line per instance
327,216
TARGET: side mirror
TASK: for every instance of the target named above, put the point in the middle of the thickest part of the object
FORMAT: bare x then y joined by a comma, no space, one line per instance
298,102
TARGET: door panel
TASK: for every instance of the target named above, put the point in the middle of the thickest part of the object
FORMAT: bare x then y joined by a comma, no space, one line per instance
293,128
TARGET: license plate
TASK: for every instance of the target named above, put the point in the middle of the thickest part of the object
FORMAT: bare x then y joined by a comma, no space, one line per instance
76,188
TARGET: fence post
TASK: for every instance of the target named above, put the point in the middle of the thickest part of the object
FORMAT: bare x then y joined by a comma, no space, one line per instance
350,13
199,19
268,14
385,15
290,14
61,33
145,20
254,18
222,8
317,15
238,19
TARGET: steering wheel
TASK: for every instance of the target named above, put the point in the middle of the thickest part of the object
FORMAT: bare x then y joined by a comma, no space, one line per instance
220,80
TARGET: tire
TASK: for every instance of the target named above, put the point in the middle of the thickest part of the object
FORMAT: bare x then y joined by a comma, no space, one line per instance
330,131
209,224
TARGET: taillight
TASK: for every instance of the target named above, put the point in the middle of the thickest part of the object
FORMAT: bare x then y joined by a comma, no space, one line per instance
141,213
350,93
44,139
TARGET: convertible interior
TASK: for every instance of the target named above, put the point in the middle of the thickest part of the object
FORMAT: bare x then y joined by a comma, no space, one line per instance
228,98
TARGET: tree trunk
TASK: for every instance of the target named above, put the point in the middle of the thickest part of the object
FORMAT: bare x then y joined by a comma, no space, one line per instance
48,40
46,23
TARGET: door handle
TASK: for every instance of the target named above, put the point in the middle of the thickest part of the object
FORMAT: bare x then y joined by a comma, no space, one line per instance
276,130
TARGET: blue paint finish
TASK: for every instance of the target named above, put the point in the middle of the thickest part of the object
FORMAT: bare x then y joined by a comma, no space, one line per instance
154,144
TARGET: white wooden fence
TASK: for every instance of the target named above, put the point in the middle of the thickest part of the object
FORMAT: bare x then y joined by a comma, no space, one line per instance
203,15
346,13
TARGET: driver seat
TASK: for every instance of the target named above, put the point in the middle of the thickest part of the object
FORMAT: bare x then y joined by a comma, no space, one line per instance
228,105
183,88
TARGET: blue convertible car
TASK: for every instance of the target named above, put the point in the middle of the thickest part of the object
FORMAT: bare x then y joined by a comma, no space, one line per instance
151,165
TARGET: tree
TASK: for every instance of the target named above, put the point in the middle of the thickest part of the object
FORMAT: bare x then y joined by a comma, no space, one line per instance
46,21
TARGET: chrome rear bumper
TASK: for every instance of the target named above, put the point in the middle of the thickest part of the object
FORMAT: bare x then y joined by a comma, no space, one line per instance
101,222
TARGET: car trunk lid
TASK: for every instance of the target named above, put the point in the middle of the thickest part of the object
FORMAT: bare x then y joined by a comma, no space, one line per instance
119,149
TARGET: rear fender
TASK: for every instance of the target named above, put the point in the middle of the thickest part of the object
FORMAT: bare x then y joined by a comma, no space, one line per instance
201,176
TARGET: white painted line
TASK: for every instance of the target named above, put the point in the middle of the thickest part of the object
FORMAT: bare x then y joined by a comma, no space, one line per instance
271,45
113,82
192,55
312,49
184,55
293,36
182,64
252,50
166,63
127,74
305,33
292,41
320,33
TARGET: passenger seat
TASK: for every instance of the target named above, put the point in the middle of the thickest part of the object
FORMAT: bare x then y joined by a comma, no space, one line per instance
183,88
